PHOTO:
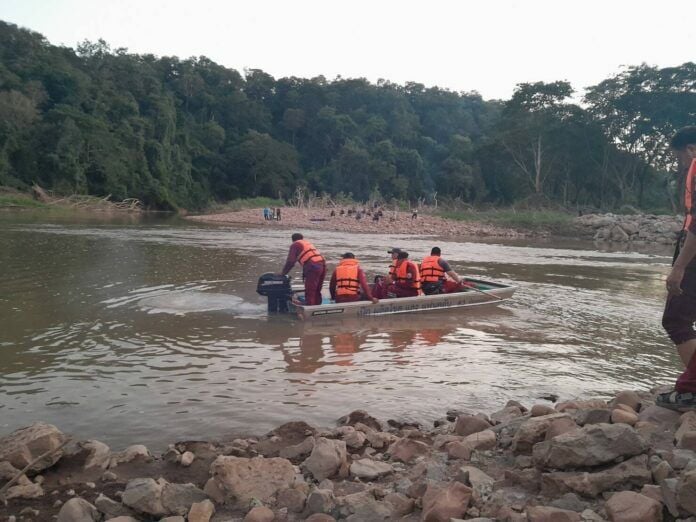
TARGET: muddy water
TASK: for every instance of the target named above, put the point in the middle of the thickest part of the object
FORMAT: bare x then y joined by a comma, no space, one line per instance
151,331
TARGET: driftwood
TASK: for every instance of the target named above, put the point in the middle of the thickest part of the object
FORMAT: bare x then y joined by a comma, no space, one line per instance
14,479
80,201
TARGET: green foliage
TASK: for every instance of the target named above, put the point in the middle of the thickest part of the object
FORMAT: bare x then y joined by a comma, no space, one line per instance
181,133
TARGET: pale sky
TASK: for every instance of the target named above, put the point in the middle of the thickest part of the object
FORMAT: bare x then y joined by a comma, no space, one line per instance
484,45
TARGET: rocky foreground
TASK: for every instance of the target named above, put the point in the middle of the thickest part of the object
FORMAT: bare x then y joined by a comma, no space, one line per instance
633,228
623,460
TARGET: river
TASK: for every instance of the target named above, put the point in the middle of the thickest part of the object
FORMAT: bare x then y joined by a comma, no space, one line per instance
149,331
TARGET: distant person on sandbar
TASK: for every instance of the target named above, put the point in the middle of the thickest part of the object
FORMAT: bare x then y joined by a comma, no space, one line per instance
434,271
680,309
266,213
313,267
347,280
278,213
414,215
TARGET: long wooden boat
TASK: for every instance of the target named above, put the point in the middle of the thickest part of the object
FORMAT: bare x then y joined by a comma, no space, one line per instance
490,293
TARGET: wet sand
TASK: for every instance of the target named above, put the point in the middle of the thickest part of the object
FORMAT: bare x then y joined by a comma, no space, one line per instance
391,223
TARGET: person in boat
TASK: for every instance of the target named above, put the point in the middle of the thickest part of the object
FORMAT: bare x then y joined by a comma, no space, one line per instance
680,309
347,280
313,267
379,288
405,278
434,271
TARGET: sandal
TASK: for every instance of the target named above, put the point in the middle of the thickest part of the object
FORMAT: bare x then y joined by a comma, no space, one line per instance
677,401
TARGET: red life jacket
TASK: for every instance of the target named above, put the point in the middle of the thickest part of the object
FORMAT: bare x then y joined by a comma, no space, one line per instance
309,253
401,275
347,282
430,270
689,195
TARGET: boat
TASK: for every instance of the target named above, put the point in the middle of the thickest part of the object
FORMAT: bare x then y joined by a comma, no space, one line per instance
286,298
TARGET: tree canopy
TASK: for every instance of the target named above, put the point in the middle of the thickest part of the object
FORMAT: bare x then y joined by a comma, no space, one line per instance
181,133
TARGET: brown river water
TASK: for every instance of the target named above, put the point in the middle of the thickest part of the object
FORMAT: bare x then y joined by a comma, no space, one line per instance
150,331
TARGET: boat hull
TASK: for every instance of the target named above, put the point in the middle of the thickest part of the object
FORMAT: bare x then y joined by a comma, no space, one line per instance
494,294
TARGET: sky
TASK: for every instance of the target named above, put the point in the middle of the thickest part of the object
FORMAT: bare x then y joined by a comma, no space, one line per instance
487,46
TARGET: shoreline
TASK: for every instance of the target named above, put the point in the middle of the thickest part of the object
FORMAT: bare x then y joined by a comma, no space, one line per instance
393,222
580,460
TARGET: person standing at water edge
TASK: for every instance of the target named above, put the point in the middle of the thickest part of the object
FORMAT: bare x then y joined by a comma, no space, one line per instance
313,267
347,281
680,310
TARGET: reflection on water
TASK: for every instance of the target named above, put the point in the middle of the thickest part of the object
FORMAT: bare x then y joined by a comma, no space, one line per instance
152,332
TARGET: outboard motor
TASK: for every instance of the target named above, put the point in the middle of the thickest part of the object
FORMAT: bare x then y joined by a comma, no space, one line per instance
277,289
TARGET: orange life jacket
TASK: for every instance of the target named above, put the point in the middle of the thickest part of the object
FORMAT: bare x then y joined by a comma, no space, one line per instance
689,195
347,282
401,275
309,253
430,270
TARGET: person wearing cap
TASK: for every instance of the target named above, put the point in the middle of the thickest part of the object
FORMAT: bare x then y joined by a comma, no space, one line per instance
434,271
347,280
405,277
313,267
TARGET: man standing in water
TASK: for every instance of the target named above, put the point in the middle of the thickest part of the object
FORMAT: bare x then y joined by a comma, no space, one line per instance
680,309
313,267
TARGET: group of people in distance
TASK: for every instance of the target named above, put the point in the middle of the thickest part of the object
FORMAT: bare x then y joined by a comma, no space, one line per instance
348,282
271,214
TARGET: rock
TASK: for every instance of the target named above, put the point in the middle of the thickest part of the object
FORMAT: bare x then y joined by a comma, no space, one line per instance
363,506
560,426
668,490
362,417
593,416
406,450
326,458
292,499
686,492
124,518
468,424
27,490
570,502
379,439
662,471
111,508
652,491
539,410
109,476
680,458
687,423
627,506
658,415
619,416
401,504
258,514
204,510
145,496
506,414
78,510
131,453
241,479
178,498
187,458
22,446
298,451
617,234
320,517
591,404
551,514
440,504
533,431
688,441
629,398
480,483
321,501
630,229
98,454
7,470
633,472
369,469
591,445
483,440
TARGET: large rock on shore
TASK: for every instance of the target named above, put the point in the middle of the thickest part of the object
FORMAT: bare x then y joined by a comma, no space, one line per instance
627,506
647,228
534,431
160,498
78,510
327,458
22,446
633,472
237,479
592,445
444,502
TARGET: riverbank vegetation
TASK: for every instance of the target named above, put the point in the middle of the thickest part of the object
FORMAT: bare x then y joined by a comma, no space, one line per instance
177,133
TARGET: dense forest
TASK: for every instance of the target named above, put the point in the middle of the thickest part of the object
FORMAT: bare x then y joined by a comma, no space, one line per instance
183,133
